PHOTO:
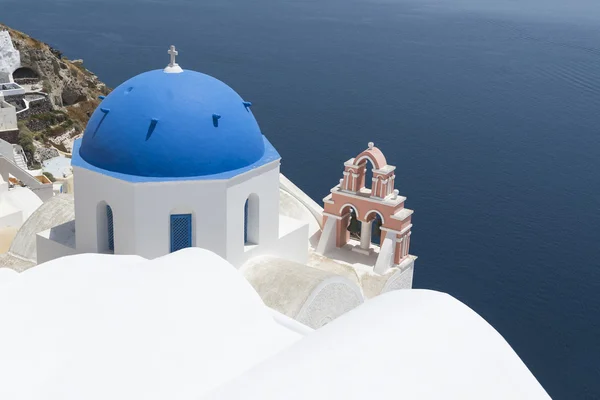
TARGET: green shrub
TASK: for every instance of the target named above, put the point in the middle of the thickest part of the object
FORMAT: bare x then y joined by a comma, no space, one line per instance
49,176
47,87
25,140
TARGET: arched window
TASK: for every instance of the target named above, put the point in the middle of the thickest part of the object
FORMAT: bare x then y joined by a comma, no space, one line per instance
181,231
367,173
376,230
376,221
110,230
251,220
105,234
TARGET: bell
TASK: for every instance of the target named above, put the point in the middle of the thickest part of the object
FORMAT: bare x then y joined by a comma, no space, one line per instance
354,225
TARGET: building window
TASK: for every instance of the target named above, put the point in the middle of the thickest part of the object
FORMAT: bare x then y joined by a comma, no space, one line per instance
251,218
110,229
181,231
246,222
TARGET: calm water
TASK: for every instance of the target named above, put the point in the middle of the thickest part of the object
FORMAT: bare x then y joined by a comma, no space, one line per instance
490,112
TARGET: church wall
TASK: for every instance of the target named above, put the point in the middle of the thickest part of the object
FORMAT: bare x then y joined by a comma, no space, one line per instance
156,202
92,189
265,184
141,215
48,249
12,218
292,244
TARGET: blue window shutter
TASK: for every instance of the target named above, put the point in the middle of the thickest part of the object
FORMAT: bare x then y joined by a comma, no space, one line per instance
181,231
110,229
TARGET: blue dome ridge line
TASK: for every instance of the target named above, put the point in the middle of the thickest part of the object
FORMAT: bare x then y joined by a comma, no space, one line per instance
165,128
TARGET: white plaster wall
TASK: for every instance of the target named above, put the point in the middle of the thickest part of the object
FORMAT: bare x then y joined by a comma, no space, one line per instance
141,215
156,202
10,59
13,92
6,150
8,117
48,249
315,209
10,216
332,298
402,279
20,198
263,182
93,188
292,245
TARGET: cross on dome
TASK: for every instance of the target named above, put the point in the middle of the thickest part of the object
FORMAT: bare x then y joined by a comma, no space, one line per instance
173,53
173,67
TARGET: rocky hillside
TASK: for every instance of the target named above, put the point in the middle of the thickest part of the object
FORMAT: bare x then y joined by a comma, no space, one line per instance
72,93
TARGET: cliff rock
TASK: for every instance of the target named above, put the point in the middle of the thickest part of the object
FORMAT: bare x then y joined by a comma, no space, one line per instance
67,83
61,94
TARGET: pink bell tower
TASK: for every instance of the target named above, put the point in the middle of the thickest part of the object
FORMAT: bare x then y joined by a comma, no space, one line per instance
380,205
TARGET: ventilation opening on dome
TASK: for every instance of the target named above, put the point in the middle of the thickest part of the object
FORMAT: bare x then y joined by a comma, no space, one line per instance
216,118
151,128
101,121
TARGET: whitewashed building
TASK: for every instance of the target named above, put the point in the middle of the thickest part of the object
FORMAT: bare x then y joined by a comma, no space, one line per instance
8,116
174,159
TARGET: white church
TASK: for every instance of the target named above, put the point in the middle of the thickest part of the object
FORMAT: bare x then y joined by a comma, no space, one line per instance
174,158
186,266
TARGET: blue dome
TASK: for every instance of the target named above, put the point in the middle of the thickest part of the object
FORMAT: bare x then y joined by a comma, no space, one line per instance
161,124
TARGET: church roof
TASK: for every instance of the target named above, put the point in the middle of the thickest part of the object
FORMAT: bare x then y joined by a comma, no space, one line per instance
20,198
172,125
22,253
406,344
7,275
188,325
121,327
292,289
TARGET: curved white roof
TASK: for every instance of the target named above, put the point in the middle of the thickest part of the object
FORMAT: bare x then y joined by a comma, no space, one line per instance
407,344
121,327
21,198
189,326
22,253
7,275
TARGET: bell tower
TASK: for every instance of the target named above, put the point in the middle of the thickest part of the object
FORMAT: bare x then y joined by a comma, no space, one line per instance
368,220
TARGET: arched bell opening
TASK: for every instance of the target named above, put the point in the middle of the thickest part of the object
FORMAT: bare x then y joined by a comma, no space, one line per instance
354,225
365,172
375,219
349,225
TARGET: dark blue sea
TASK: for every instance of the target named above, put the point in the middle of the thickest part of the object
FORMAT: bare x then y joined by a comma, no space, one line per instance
489,109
